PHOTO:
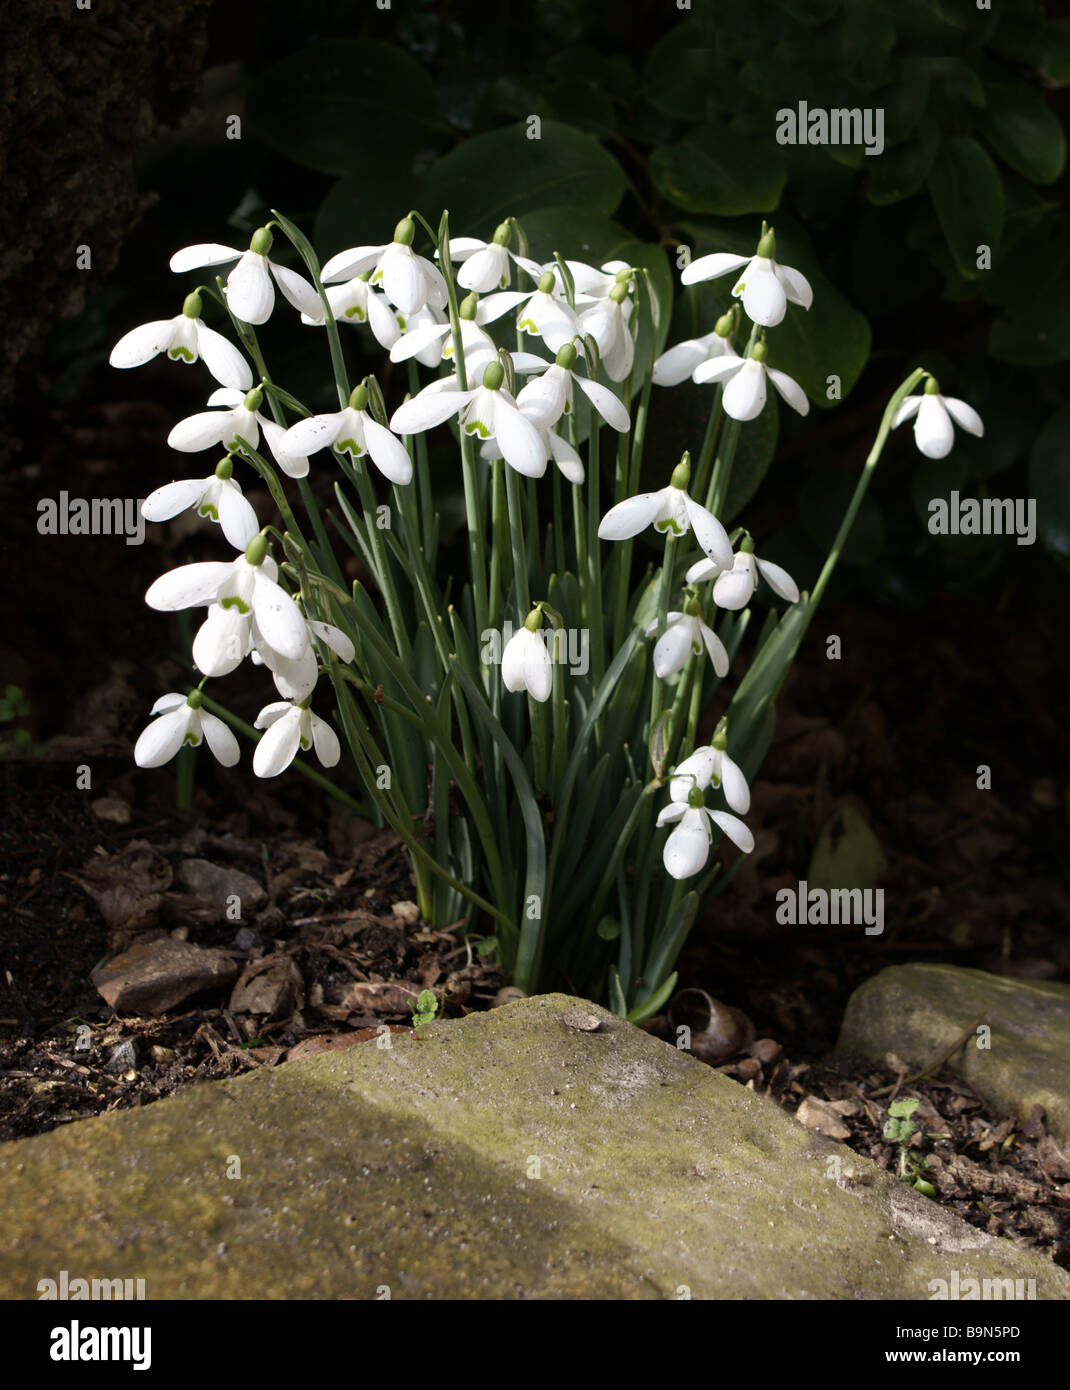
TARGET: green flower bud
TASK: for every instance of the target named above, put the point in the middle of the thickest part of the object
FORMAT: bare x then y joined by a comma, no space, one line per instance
566,356
533,621
195,699
225,469
469,305
623,276
494,376
696,798
405,232
503,233
681,474
759,351
724,325
547,281
358,398
693,607
254,399
720,738
192,306
257,549
767,245
260,244
619,292
746,545
932,387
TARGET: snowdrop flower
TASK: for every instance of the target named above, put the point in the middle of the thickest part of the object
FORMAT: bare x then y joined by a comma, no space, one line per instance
688,847
351,431
182,721
296,679
431,341
410,281
744,378
218,496
560,450
711,766
526,663
237,593
734,586
250,293
290,728
540,312
547,397
765,286
487,411
241,418
184,338
356,302
933,433
669,510
486,264
685,633
608,323
676,365
590,284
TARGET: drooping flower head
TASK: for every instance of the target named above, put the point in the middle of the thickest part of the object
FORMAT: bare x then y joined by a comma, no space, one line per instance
671,511
932,414
765,287
250,293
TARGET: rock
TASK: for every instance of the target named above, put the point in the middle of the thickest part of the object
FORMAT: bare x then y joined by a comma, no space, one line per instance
406,912
819,1116
153,976
500,1156
113,810
221,890
122,1057
271,986
923,1010
128,888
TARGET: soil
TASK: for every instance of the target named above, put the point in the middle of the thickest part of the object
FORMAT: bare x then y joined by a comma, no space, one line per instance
973,876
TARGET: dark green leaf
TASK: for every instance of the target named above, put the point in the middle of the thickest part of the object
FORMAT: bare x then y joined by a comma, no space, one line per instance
1024,131
716,170
967,193
503,173
328,104
1049,483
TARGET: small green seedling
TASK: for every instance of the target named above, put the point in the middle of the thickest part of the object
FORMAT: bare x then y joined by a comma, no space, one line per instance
424,1010
900,1129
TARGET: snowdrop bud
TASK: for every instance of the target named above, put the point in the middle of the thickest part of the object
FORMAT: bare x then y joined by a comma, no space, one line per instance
720,737
932,387
224,469
566,357
547,281
759,351
257,549
623,275
494,376
261,242
192,306
681,474
533,621
724,325
693,607
469,306
405,232
195,699
767,245
619,292
746,545
696,798
503,233
358,398
254,399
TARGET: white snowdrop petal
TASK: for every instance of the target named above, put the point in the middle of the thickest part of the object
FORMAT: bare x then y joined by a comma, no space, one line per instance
673,648
298,291
347,265
733,588
142,344
521,446
205,253
387,452
430,408
779,580
514,660
163,738
675,811
676,365
278,747
630,517
609,406
335,638
325,742
695,771
711,267
270,713
279,618
688,847
566,457
796,286
744,395
220,643
202,431
166,702
964,415
715,649
709,532
702,570
734,828
764,298
718,368
538,669
223,359
188,586
790,389
933,431
170,499
237,520
734,786
220,739
250,295
309,435
907,410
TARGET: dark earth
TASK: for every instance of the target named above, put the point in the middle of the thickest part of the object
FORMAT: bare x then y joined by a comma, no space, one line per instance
329,946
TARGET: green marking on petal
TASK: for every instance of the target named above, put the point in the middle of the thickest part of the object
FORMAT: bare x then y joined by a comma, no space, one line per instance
477,427
356,313
180,354
348,446
235,602
206,509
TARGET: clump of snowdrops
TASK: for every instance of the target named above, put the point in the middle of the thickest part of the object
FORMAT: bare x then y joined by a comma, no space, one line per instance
522,709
